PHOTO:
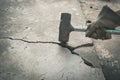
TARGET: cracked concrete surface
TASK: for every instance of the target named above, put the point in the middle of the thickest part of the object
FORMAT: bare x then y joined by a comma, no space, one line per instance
36,19
25,28
107,51
70,48
42,61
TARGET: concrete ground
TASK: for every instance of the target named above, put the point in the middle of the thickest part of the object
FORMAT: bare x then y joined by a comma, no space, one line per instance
29,46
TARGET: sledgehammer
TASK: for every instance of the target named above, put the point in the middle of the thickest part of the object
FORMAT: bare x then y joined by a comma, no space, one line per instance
65,28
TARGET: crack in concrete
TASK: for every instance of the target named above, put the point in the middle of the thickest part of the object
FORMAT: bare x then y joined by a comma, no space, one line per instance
70,48
62,75
43,74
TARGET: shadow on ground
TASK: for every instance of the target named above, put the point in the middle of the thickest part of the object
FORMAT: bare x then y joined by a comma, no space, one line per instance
111,66
111,73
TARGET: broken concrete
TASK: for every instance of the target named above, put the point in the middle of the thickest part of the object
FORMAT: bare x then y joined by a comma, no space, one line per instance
38,20
29,48
39,61
108,51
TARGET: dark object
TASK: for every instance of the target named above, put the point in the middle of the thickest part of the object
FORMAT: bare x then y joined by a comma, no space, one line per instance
65,27
107,19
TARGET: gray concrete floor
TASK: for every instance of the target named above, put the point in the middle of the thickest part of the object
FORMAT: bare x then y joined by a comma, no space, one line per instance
28,30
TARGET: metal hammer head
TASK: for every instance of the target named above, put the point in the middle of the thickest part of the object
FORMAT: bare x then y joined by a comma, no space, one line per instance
65,27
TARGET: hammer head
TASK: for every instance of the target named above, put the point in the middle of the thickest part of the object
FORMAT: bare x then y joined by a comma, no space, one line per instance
65,27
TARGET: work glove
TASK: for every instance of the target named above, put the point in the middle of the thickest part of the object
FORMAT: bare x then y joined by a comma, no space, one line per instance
96,30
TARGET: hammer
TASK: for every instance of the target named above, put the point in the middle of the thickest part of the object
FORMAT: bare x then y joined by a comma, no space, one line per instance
65,28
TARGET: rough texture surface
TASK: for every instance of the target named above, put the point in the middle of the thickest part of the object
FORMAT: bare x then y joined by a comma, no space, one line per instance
29,47
43,61
108,51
